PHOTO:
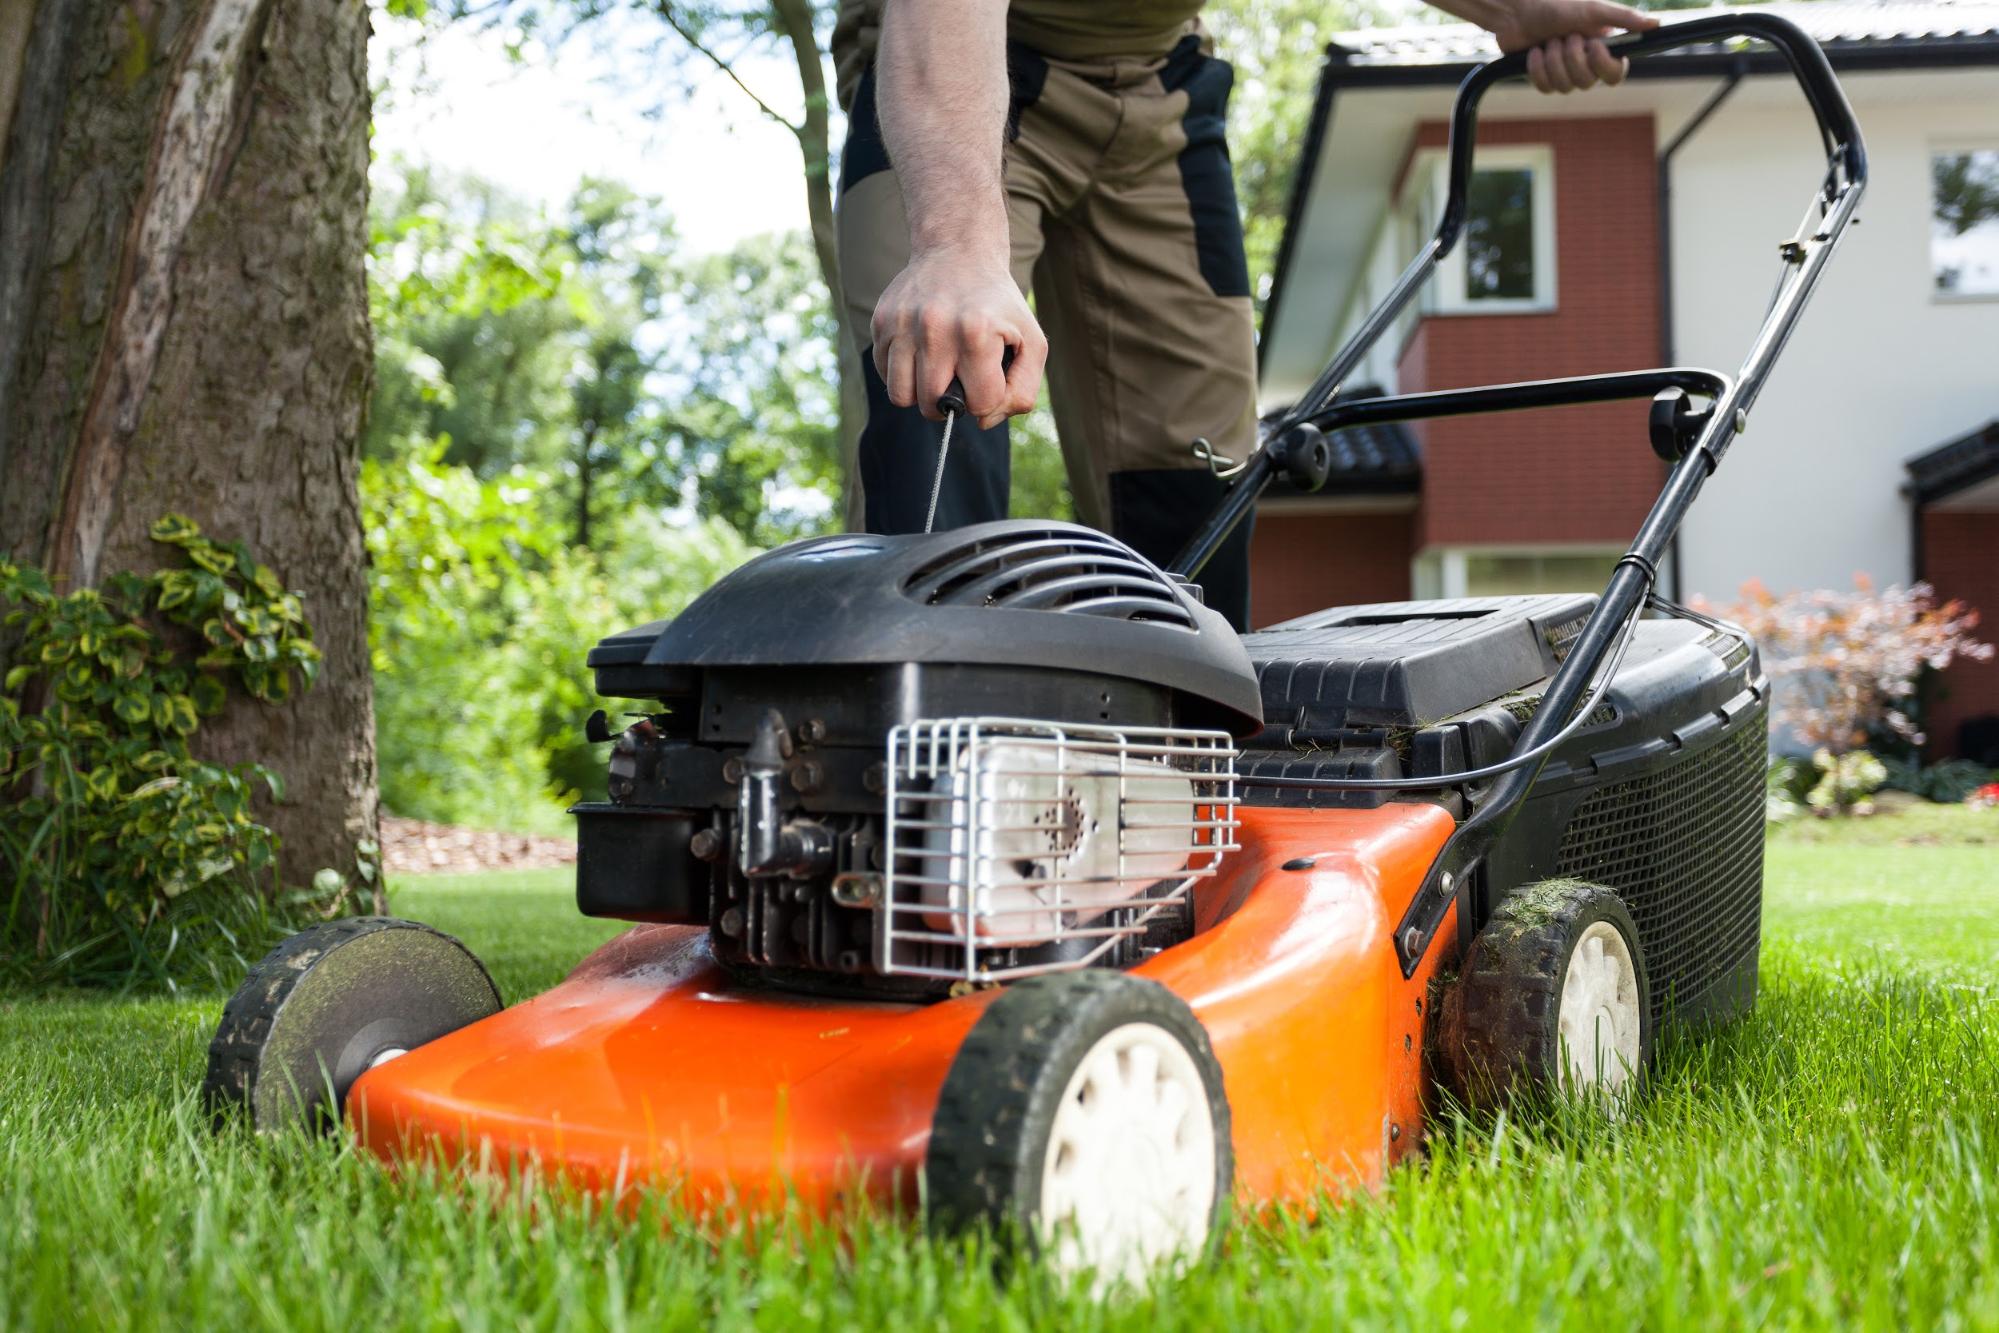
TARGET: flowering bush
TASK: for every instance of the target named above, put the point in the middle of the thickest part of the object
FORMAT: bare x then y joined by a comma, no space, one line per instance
1849,662
1985,798
1845,782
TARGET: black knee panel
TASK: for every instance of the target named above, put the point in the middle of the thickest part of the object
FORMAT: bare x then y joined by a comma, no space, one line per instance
1155,511
898,460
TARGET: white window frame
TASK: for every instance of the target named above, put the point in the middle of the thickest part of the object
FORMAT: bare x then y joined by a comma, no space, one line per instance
1425,192
1444,571
1936,149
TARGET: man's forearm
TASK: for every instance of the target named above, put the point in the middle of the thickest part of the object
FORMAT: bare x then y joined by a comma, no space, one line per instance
1487,14
942,99
1563,39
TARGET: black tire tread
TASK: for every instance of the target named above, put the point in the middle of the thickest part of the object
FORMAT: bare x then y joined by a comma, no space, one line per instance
236,1050
988,1135
1499,1036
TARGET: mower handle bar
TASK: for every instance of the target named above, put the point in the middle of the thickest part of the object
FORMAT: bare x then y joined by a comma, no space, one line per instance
1837,128
1846,174
1290,439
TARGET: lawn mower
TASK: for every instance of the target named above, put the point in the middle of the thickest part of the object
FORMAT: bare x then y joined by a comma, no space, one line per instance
988,873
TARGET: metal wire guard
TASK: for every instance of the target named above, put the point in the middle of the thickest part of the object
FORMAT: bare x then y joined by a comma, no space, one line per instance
1009,833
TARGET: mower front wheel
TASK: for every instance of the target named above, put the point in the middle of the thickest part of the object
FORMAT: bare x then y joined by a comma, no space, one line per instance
1084,1118
331,1003
1554,1001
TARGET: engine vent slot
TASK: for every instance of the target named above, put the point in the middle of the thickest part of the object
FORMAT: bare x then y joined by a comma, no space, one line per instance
1683,846
1080,573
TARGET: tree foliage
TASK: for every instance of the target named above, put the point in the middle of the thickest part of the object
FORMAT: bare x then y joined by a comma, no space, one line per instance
584,348
482,615
1966,189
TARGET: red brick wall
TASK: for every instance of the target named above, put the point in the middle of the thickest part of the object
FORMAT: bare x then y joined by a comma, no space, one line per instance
1301,563
1576,474
1961,560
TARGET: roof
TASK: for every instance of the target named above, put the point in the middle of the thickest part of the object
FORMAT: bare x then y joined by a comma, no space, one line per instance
1843,27
1957,466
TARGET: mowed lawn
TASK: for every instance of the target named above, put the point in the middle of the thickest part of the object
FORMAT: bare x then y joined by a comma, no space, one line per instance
1833,1159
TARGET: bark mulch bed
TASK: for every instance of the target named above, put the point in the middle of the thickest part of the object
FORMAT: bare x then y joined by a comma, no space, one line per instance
413,847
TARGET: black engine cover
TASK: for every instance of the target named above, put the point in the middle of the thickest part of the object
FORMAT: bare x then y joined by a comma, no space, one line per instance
752,800
1015,594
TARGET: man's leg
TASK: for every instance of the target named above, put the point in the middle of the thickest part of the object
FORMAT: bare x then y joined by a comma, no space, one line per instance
898,447
1148,273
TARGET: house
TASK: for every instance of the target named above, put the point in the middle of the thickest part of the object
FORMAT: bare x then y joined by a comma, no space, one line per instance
1634,227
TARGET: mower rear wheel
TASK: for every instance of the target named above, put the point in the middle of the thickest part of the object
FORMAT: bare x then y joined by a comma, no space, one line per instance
1085,1119
331,1003
1554,1000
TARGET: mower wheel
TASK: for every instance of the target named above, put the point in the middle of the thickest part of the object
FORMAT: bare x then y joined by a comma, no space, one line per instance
331,1003
1553,1002
1084,1118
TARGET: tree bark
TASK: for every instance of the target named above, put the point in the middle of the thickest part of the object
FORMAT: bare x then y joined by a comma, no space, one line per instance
183,327
795,20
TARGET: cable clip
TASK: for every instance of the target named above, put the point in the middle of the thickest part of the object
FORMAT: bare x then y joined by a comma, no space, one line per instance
1219,464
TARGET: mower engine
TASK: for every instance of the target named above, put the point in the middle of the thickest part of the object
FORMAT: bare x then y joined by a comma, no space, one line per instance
852,775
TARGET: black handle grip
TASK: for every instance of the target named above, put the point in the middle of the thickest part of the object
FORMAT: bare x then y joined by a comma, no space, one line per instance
952,400
1806,59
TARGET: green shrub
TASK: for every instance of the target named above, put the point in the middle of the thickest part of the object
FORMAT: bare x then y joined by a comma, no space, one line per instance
1784,788
480,617
123,857
1845,782
1947,782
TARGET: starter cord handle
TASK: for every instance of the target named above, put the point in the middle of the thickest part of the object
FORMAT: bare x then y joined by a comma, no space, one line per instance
951,406
952,401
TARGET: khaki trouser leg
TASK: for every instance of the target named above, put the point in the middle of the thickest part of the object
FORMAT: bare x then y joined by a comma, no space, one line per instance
1144,294
1123,217
898,447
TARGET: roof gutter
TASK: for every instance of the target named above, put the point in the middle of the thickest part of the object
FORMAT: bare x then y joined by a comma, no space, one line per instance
1664,195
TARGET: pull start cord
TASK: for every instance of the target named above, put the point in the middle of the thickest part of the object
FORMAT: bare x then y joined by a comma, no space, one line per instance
951,403
954,394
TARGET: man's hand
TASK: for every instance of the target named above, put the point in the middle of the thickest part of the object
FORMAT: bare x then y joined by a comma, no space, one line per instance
952,314
1563,39
954,310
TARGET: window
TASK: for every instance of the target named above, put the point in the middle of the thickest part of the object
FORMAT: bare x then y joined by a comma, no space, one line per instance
1504,572
1497,573
1964,223
1499,235
1505,260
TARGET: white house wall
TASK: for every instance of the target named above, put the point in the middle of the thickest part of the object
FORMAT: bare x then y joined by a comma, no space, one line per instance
1877,370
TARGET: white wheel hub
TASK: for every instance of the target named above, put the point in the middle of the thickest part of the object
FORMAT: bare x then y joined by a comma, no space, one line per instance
1600,1019
1129,1179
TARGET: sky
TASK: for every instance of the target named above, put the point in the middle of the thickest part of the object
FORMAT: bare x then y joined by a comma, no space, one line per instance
452,97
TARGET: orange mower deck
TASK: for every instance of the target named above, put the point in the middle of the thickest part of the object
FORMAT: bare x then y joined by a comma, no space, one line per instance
651,1067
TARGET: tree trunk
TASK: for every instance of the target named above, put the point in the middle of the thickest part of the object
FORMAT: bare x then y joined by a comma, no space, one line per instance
794,20
183,327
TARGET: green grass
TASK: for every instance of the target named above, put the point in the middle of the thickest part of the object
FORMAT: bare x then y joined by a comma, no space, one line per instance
1833,1159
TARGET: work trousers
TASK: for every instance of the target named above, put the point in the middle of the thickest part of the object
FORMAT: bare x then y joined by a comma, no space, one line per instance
1123,221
